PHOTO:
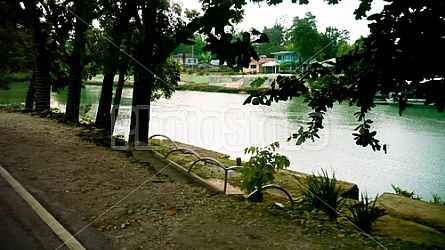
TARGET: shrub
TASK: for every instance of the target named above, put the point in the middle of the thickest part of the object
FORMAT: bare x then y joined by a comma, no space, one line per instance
322,192
261,167
258,82
366,213
229,72
405,193
437,199
191,71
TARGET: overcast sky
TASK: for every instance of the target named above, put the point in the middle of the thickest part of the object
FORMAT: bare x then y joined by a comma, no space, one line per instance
340,15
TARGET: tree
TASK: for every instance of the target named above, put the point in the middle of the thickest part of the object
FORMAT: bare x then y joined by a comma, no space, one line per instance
160,30
331,40
116,27
345,48
153,47
304,36
397,54
276,40
199,43
84,11
31,14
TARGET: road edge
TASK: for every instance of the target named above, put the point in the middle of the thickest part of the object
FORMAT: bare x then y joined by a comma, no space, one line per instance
55,226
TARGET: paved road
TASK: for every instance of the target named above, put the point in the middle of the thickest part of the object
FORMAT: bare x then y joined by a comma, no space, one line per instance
20,226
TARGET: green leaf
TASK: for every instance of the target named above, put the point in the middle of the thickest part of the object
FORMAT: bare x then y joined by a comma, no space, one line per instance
373,17
300,140
256,101
255,32
248,100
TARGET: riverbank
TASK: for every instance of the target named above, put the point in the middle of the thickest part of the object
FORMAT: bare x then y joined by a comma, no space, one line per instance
124,199
212,83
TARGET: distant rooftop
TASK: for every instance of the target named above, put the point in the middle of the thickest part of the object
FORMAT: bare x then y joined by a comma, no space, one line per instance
180,55
265,60
283,52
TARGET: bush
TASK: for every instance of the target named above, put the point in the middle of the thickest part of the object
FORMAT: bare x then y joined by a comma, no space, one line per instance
260,169
366,213
322,192
405,193
437,199
230,72
191,71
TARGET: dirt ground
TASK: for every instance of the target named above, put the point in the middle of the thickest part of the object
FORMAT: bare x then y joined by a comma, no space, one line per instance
130,206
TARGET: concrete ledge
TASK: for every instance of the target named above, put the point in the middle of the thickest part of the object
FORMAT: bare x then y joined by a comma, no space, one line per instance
184,171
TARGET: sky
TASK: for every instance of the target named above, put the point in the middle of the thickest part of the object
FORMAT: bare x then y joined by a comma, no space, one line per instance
340,16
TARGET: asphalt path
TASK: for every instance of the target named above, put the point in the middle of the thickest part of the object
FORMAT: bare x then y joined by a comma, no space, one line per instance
20,226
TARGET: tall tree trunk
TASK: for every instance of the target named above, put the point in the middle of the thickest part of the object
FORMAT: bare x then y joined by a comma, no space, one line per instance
74,89
117,97
143,78
140,106
43,90
103,116
30,95
42,77
124,60
76,67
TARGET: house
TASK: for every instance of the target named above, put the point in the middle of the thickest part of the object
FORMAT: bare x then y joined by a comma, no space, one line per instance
187,60
288,60
259,66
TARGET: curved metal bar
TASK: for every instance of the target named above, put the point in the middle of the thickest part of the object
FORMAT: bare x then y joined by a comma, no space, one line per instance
208,159
226,175
166,137
184,151
276,187
217,163
233,168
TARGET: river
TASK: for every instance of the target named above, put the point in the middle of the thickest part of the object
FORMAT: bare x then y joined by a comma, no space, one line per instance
416,154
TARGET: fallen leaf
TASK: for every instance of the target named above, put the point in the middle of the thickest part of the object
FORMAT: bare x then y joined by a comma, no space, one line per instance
172,210
158,181
253,236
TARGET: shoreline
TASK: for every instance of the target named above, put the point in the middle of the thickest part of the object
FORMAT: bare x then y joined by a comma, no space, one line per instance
236,84
201,87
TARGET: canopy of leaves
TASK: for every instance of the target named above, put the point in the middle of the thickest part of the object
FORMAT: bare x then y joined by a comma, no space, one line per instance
15,43
331,40
304,36
276,40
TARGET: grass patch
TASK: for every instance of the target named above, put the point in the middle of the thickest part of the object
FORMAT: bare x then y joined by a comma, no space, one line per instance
195,79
